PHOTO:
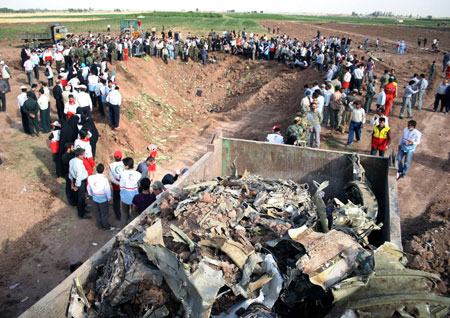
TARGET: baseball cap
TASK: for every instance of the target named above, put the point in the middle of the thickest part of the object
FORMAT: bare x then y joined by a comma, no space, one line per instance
23,87
355,90
275,127
118,154
56,123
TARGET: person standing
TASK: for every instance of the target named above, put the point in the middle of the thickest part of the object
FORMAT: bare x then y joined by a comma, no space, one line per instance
6,74
409,91
44,112
29,68
114,100
326,107
432,70
21,98
84,101
381,138
49,74
128,189
369,95
58,95
406,147
145,198
376,118
445,60
317,118
31,108
391,92
98,187
440,95
3,91
357,122
115,170
65,160
78,176
422,85
335,106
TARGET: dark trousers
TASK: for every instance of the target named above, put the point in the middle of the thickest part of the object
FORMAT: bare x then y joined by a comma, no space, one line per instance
93,99
36,72
45,120
25,122
80,195
100,106
60,109
114,111
34,124
116,203
30,77
357,84
50,82
69,191
101,214
373,152
3,101
439,98
86,111
355,129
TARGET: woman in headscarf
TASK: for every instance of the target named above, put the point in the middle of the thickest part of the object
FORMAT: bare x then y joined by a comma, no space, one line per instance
68,134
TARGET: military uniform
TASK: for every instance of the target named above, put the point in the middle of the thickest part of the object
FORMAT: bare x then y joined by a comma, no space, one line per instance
293,134
306,126
31,107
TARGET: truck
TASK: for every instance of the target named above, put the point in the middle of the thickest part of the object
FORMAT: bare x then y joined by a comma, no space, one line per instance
54,33
302,165
130,26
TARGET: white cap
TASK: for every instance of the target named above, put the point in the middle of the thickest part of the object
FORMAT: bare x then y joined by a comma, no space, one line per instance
2,62
23,87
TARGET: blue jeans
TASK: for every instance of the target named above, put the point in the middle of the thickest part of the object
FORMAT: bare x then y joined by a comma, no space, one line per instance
355,128
403,167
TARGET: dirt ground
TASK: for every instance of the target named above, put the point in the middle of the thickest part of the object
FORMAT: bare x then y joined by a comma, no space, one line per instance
40,234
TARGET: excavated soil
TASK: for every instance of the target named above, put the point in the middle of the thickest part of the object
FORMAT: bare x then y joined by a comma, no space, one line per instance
40,234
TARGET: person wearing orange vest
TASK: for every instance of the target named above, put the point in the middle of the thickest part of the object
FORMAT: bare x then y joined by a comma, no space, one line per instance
391,92
381,138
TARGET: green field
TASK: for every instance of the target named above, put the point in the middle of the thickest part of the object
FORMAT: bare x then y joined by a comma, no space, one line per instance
198,22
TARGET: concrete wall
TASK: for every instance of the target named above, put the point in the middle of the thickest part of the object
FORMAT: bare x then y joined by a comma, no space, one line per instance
278,161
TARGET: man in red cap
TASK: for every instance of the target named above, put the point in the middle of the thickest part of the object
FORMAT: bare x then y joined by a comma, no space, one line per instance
115,170
275,136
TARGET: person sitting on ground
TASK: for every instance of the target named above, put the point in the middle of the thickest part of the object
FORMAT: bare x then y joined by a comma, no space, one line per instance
145,198
275,136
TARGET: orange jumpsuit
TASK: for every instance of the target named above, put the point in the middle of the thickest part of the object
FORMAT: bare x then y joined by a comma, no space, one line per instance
391,92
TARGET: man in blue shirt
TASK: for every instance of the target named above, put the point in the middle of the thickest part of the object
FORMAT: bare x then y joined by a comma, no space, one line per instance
409,91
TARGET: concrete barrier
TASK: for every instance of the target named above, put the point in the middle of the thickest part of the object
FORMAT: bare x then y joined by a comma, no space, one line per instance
302,165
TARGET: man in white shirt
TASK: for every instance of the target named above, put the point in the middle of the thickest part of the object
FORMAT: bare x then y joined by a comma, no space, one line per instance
114,99
29,67
78,176
381,99
380,114
327,96
440,95
115,170
84,100
98,187
422,85
358,75
275,137
20,100
357,122
407,145
44,111
128,189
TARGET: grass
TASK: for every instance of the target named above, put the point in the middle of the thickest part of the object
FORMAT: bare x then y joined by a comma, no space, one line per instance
200,23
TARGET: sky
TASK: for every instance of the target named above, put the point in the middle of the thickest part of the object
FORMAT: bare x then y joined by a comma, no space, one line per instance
436,8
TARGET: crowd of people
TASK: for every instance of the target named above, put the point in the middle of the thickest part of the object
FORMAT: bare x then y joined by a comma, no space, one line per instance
77,71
